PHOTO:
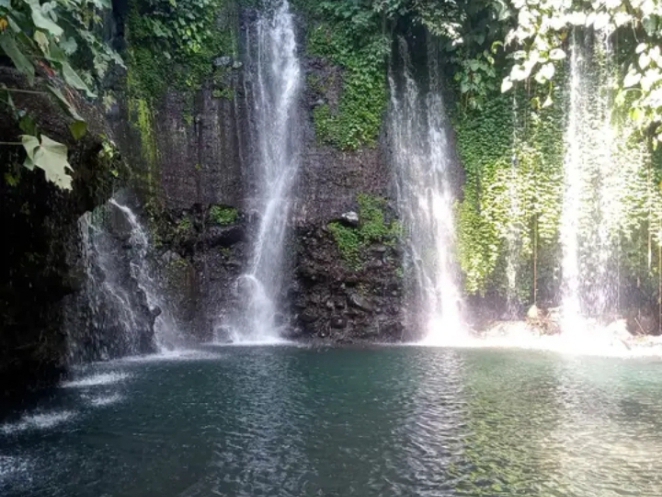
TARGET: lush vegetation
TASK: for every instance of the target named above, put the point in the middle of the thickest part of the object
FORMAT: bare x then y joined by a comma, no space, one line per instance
174,44
56,42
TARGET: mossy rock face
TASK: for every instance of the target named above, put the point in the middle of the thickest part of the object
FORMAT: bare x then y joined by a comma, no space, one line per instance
373,229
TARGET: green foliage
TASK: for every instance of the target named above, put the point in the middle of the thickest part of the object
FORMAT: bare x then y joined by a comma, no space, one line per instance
372,229
543,28
43,38
358,117
184,227
222,215
513,159
174,43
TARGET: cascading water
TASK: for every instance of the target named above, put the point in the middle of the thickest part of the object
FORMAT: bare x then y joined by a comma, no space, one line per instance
423,159
274,88
599,167
513,239
115,313
166,331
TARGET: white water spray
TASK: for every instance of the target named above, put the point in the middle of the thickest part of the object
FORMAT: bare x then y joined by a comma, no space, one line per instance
423,159
275,87
599,168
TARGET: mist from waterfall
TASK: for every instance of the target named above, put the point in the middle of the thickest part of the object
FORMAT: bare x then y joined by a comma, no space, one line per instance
600,167
274,87
423,159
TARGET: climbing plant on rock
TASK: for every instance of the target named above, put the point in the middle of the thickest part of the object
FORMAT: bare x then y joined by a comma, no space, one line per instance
42,40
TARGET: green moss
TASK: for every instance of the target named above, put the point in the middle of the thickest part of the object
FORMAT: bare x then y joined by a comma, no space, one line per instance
373,228
358,117
223,216
173,44
184,227
225,93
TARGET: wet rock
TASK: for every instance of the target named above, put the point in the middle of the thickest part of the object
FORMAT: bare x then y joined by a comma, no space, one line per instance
350,218
170,257
338,322
224,61
533,312
360,302
218,236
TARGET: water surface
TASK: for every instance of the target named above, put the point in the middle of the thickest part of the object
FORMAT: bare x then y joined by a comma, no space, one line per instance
285,421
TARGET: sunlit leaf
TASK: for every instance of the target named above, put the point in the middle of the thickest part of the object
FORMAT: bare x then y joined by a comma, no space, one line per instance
43,22
51,157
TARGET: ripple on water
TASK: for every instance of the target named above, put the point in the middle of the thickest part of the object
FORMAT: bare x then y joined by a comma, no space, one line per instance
96,380
41,421
10,466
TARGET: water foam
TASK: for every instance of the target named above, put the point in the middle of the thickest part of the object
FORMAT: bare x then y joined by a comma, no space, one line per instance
96,380
41,421
105,400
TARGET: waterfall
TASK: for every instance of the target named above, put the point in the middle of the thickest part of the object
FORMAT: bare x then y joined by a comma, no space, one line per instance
423,160
166,331
275,85
601,168
120,310
513,236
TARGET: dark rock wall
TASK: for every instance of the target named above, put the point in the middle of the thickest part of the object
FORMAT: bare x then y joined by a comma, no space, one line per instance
40,251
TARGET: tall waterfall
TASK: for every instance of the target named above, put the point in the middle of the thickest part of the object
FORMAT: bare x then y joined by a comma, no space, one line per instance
275,85
423,159
600,168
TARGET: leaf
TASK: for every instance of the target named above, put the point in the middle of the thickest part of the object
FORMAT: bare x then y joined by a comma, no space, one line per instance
64,103
644,60
43,22
72,78
22,63
78,129
51,156
42,41
631,79
557,54
69,46
30,144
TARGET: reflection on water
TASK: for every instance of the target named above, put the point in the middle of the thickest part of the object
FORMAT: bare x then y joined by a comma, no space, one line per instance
382,422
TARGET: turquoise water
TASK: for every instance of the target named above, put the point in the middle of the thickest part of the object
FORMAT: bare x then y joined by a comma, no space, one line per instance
285,421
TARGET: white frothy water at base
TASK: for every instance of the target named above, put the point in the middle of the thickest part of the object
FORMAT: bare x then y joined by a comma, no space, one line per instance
96,380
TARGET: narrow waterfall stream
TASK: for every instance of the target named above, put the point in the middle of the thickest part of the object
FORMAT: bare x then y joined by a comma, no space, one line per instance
166,331
422,158
601,170
122,302
275,85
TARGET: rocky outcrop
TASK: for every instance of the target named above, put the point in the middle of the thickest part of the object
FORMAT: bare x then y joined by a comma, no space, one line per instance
339,303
